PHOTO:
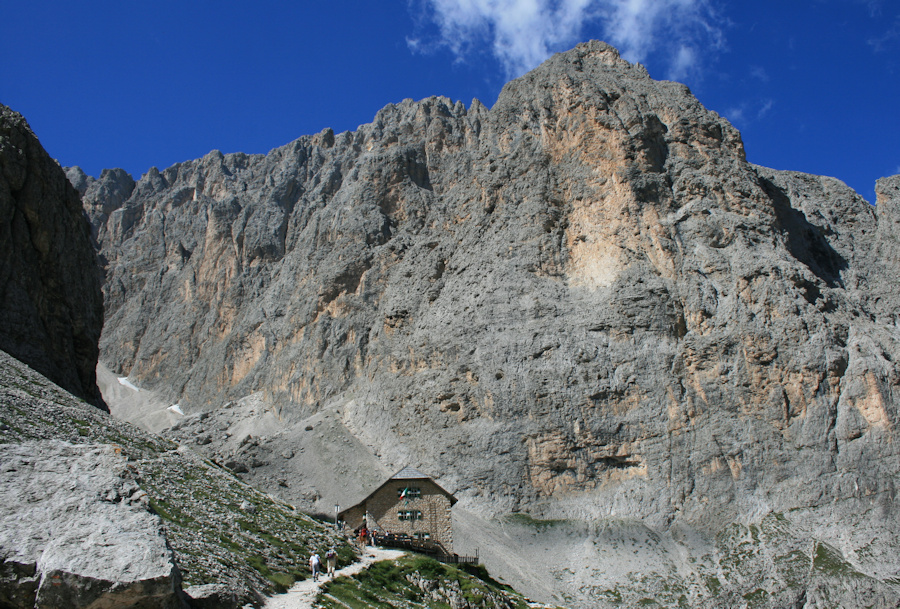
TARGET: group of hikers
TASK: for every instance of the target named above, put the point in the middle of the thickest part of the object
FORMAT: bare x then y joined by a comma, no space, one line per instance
363,535
315,563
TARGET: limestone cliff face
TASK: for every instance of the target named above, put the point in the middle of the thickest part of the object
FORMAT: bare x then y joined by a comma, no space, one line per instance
50,298
583,302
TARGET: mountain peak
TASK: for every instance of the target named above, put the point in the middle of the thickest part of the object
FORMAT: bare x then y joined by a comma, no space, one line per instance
582,304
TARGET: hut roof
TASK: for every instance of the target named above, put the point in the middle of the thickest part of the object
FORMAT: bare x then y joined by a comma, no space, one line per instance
407,473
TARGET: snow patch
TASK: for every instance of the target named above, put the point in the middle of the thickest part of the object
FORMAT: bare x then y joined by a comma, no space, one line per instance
123,380
176,408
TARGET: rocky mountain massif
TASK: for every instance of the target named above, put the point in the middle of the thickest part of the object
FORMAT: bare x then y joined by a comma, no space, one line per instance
96,513
93,511
49,282
582,304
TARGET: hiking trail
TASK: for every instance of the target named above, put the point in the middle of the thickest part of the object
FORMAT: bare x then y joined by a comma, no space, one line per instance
302,594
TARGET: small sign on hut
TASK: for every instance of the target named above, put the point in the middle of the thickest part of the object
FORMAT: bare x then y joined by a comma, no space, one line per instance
408,504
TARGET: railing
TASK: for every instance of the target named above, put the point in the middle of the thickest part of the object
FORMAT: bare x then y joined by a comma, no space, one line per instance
429,548
456,559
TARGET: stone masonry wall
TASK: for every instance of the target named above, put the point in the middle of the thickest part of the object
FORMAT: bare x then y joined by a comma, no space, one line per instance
433,503
354,516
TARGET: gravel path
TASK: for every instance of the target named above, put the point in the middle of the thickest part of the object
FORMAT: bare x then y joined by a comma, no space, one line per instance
303,593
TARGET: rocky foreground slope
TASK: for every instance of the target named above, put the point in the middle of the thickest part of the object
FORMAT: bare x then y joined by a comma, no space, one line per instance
96,513
583,304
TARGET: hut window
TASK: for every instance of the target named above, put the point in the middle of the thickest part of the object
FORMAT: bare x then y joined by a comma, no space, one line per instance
409,492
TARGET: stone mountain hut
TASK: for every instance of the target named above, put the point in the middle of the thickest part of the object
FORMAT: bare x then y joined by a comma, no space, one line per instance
408,503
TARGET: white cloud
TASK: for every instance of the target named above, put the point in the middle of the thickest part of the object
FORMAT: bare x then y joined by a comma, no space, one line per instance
522,33
759,73
748,112
736,115
874,7
887,39
683,64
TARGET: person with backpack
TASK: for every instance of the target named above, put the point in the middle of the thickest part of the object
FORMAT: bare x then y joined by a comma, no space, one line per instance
363,538
330,561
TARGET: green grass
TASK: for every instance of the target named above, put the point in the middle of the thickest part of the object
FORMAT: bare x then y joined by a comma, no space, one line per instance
267,546
348,592
170,513
829,561
756,598
481,573
612,596
280,581
393,584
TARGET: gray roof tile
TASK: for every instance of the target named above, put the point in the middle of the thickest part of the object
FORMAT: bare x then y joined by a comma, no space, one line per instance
408,473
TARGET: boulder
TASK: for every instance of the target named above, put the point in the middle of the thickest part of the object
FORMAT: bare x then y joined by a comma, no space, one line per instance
74,531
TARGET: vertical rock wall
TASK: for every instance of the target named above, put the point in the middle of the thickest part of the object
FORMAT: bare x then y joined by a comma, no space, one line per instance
588,284
582,303
51,305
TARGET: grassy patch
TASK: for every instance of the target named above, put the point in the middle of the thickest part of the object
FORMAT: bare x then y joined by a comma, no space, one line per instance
829,561
416,581
345,592
525,520
611,596
265,545
756,598
481,573
170,513
280,581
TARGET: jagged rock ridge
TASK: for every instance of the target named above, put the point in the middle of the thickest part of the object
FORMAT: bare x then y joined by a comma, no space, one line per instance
582,303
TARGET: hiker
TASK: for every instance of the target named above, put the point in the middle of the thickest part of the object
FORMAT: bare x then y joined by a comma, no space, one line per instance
314,563
331,561
363,534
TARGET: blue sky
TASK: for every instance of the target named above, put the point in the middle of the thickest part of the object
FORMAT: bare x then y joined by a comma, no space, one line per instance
813,86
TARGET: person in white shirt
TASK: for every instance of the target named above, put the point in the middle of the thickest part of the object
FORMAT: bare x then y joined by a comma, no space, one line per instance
314,563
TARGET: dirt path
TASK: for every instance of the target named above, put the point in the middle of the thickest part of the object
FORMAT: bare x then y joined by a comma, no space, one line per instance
303,593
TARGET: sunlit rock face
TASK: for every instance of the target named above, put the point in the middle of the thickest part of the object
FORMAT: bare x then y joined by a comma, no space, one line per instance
581,303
